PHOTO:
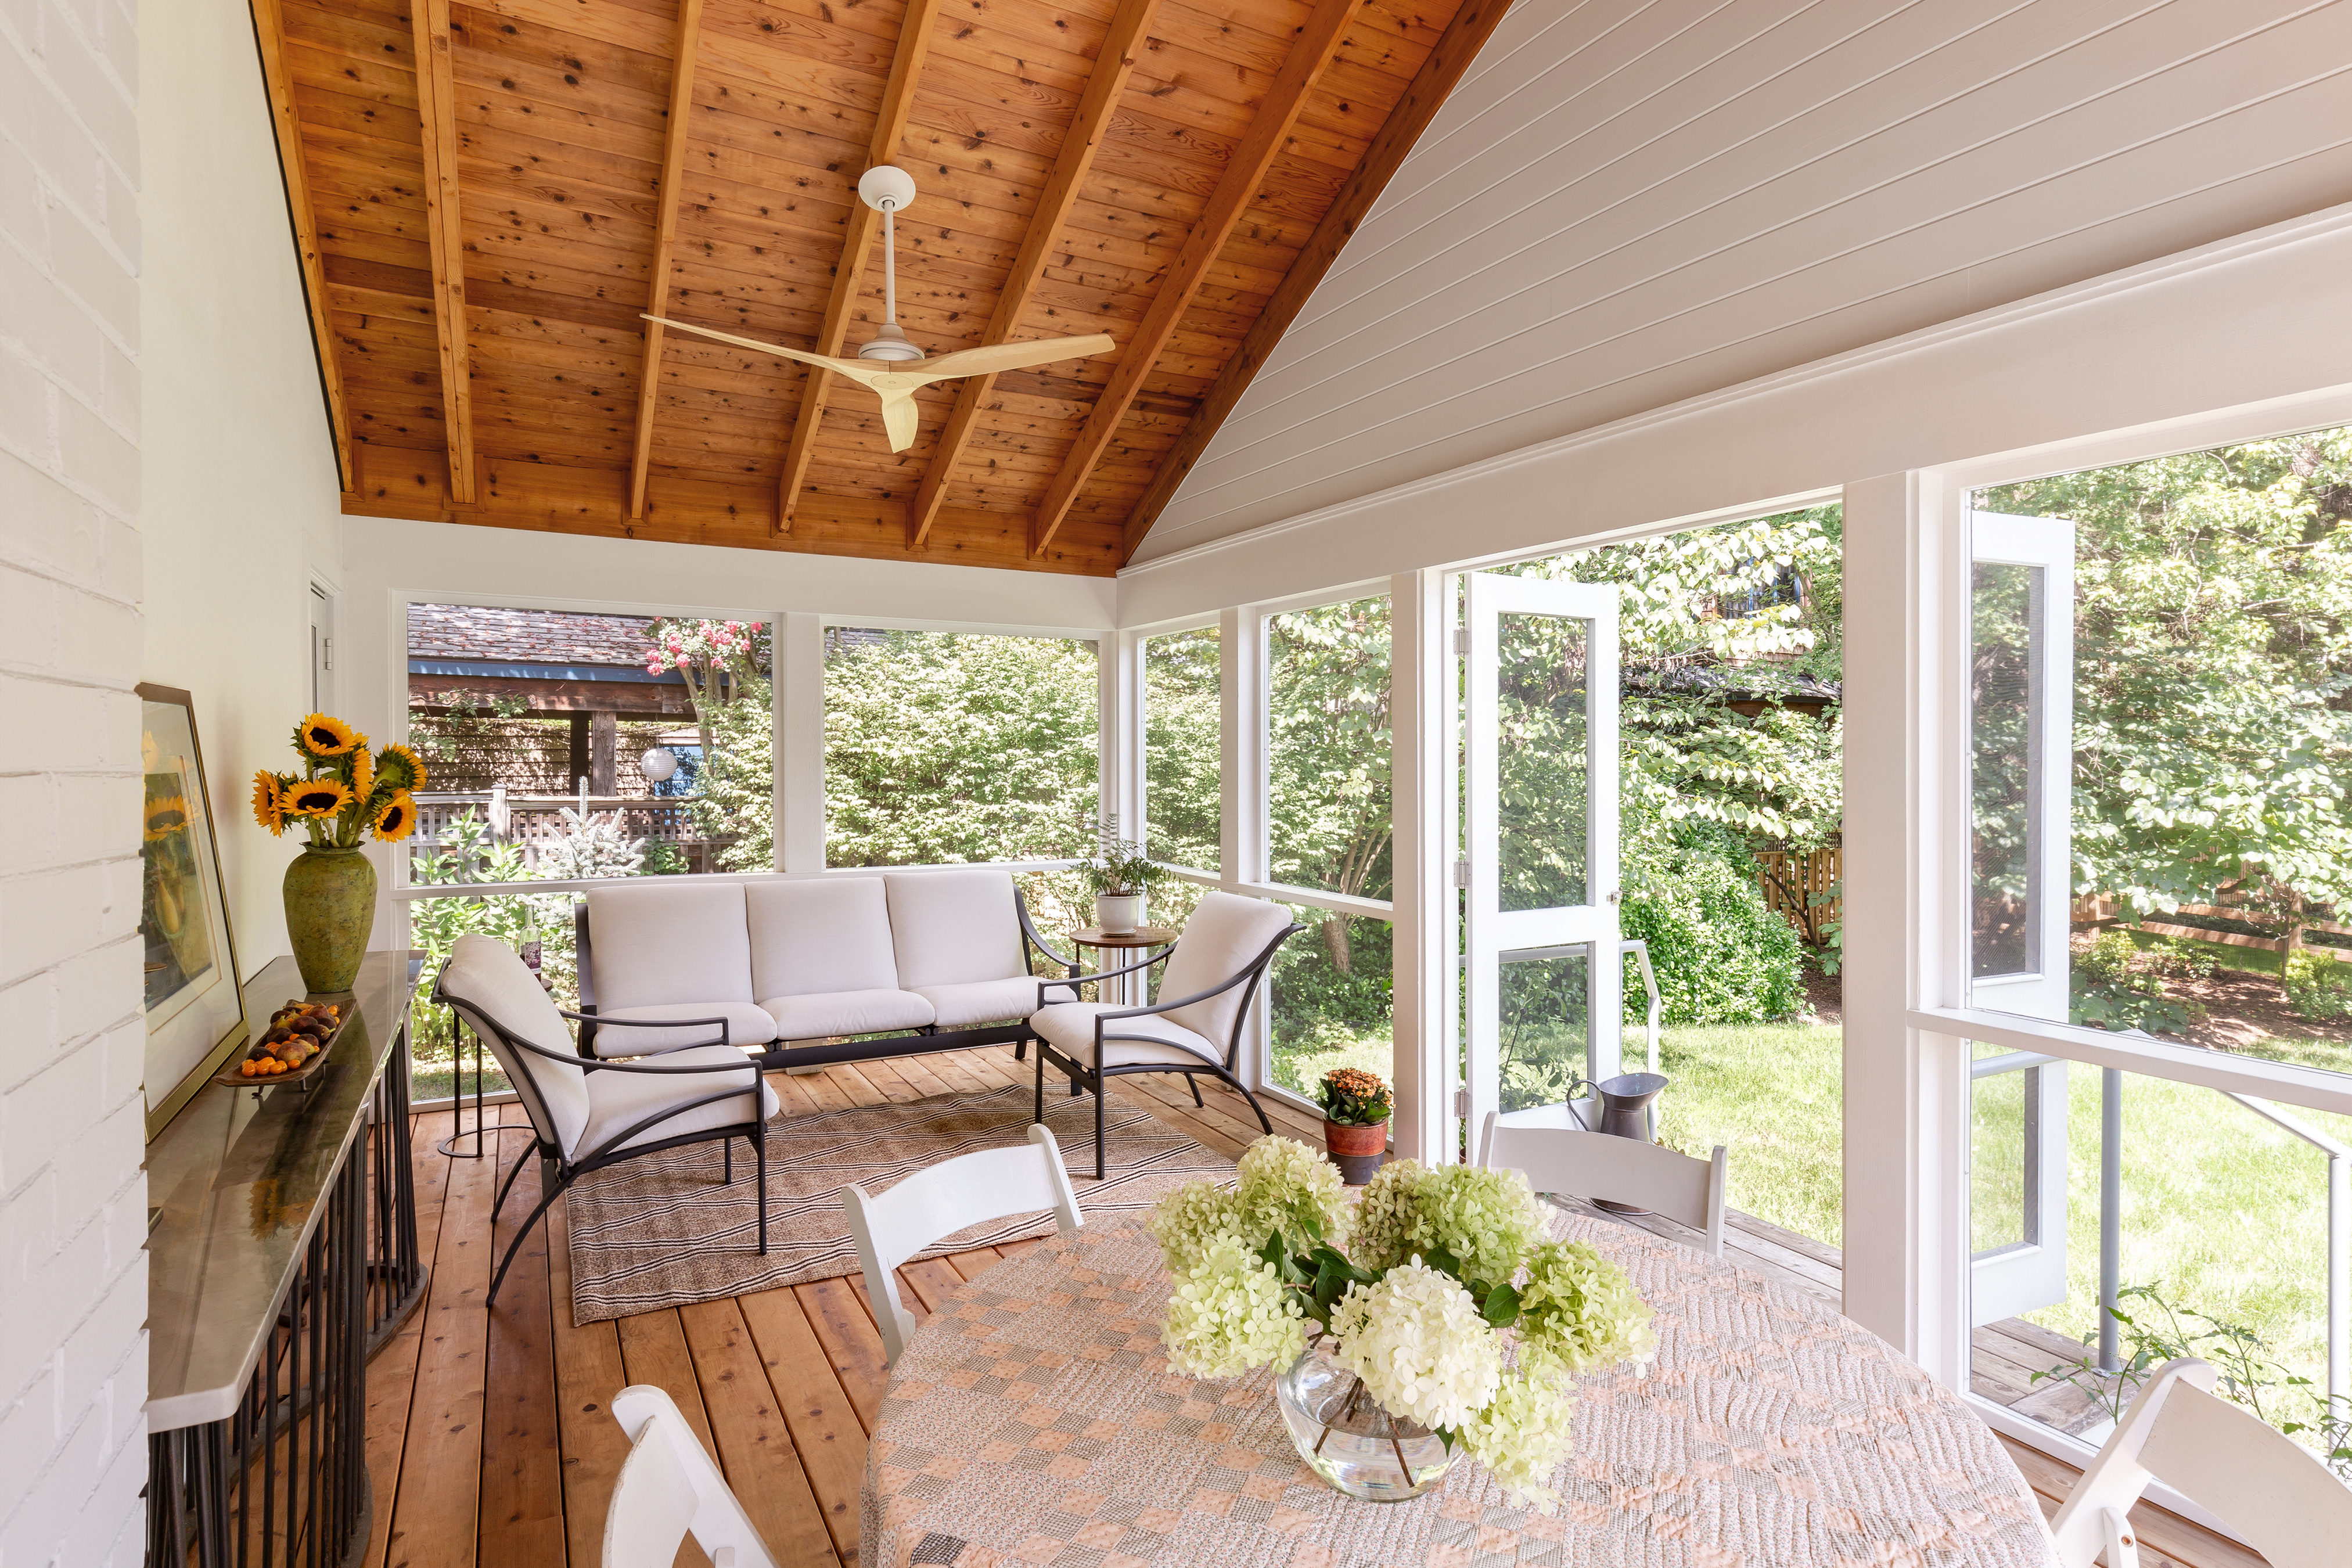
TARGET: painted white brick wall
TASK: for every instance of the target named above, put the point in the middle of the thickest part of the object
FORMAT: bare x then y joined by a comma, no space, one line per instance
73,1278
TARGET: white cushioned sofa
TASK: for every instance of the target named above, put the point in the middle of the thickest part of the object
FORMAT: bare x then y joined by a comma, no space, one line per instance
937,960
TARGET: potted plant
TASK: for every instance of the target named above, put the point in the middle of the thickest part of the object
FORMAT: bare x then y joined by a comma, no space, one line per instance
1119,875
1356,1109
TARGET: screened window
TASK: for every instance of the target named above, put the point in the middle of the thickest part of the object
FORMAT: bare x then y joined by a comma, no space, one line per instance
1328,748
1183,748
945,747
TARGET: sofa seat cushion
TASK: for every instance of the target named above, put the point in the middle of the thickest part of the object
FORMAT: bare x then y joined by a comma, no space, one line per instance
829,1012
618,1101
747,1025
1069,1028
978,1002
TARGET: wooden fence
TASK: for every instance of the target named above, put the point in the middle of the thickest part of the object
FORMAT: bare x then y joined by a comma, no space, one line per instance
1799,886
536,821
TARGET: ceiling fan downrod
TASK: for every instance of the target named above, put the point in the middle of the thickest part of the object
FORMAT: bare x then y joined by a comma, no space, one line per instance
886,189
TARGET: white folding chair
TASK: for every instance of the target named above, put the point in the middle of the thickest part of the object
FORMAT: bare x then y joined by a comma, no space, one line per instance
669,1486
1573,1162
2270,1489
943,1200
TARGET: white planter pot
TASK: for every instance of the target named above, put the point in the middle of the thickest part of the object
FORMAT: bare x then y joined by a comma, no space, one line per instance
1118,913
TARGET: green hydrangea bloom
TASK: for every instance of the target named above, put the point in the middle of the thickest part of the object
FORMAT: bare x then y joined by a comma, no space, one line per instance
1487,1219
1288,1189
1230,1313
1523,1436
1187,1221
1580,1310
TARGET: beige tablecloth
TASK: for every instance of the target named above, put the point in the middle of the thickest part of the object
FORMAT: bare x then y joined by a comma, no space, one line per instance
1037,1421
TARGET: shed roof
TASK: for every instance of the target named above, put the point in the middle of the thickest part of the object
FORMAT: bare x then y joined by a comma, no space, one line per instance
531,637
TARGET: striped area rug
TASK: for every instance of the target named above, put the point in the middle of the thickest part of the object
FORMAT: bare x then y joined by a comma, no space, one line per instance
663,1231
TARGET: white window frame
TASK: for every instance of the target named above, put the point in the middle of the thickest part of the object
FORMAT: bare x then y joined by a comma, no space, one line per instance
1908,1021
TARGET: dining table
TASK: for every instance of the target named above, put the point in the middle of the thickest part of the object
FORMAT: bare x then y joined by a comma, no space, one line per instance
1034,1419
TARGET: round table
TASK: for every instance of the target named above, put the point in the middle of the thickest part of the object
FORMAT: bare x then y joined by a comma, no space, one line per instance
1119,943
1036,1421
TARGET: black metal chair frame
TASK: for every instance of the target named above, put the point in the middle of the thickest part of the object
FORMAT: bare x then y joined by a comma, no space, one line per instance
1084,1076
777,1057
558,1171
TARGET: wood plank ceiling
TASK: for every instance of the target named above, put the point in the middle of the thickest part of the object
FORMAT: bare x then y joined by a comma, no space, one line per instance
480,236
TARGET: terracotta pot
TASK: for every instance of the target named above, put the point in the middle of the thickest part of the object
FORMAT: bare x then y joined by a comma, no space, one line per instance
1357,1151
330,912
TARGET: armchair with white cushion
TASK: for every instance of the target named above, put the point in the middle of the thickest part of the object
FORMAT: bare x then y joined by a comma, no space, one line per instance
586,1114
1212,970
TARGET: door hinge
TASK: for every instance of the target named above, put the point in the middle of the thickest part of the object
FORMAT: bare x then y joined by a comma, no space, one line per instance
1462,873
1462,1103
326,652
1461,642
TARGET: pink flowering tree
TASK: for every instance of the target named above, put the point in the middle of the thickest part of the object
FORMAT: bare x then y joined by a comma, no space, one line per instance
714,656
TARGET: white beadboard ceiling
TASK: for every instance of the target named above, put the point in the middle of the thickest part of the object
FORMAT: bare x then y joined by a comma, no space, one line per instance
1627,203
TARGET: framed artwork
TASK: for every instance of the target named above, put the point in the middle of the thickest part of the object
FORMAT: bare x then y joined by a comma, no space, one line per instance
196,1008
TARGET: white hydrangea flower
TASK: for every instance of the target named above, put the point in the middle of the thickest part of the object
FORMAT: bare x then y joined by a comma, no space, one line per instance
1187,1220
1283,1184
1385,1216
1522,1436
1418,1341
1230,1313
1581,1310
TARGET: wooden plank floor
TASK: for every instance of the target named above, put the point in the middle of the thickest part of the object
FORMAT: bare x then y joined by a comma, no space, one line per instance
489,1441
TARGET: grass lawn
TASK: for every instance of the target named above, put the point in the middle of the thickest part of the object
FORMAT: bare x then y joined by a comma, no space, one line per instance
1770,1093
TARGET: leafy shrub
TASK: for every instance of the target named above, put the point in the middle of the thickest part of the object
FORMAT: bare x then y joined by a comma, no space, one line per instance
1720,955
2318,988
2118,985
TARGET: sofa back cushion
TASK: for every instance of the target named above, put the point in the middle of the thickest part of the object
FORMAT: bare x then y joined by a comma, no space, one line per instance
488,985
1226,933
951,927
819,936
669,938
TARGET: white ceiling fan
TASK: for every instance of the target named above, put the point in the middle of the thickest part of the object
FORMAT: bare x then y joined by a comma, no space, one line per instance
888,363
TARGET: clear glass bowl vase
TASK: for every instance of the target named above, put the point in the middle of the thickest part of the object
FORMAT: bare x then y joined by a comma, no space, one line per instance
1348,1440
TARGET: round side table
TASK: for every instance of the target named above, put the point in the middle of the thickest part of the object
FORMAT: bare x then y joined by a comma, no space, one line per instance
1131,988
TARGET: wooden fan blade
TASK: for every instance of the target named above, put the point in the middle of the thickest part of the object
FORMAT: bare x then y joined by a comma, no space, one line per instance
857,370
900,418
993,358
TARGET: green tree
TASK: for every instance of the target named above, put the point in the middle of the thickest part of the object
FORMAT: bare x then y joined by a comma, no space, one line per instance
2212,674
1328,756
1183,727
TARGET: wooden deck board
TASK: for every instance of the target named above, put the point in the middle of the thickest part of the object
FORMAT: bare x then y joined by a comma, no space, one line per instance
495,1443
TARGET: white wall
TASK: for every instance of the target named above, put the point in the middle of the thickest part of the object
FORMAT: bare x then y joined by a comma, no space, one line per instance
241,492
73,1281
1628,203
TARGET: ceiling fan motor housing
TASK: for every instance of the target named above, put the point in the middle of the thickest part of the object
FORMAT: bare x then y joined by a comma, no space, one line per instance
886,188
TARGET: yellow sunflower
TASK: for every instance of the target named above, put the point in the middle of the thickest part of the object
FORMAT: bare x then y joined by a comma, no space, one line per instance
397,820
397,757
323,735
166,814
316,798
269,803
362,771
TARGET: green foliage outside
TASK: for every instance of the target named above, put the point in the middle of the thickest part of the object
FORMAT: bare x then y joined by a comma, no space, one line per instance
2318,988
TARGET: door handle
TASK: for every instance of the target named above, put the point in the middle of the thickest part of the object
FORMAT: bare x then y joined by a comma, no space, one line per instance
1613,898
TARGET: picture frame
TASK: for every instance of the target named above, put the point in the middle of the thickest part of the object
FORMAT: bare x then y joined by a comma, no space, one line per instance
195,1000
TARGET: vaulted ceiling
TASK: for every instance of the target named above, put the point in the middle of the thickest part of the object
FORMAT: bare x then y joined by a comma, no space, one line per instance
480,234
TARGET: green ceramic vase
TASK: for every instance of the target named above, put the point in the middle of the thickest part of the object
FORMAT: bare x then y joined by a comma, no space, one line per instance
330,912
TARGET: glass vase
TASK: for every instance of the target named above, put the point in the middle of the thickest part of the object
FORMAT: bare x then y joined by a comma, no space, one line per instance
1347,1438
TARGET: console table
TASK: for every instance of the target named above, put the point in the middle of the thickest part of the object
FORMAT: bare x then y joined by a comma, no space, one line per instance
281,1252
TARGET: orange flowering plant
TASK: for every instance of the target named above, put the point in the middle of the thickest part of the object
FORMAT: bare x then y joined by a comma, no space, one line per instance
343,791
1354,1097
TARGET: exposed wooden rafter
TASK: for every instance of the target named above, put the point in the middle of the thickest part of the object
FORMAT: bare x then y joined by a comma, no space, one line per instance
1113,64
1310,53
681,105
889,130
1435,81
269,29
436,107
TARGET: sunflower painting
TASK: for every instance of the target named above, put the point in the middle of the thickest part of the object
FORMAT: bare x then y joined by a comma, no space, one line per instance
194,1009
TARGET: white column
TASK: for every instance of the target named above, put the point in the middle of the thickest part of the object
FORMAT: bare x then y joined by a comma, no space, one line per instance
1122,732
1242,829
800,742
1421,705
1906,1103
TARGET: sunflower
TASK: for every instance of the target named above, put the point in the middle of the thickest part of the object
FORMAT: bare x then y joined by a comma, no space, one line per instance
316,798
269,803
397,820
397,759
323,735
362,771
166,814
